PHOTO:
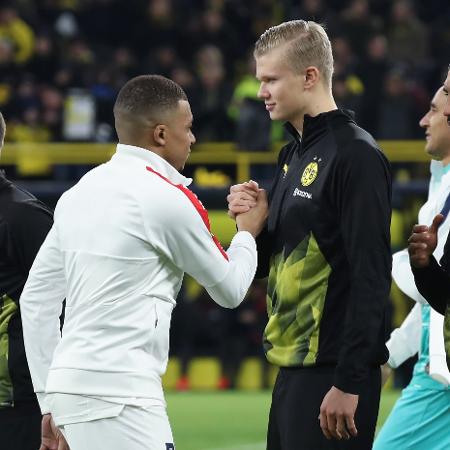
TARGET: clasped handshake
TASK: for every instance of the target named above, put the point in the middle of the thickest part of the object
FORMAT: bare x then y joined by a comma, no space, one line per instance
247,204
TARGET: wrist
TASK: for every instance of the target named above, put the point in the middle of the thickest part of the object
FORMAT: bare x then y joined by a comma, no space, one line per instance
248,230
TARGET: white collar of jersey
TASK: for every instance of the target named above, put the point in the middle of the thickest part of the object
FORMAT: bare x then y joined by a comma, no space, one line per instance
155,161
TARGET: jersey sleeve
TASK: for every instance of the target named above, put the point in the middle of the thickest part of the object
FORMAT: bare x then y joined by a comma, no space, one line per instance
182,233
41,304
363,193
405,340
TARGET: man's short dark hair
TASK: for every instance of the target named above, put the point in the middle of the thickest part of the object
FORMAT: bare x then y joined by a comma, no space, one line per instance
2,128
148,96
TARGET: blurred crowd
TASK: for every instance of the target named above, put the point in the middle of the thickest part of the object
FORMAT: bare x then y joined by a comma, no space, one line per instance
63,61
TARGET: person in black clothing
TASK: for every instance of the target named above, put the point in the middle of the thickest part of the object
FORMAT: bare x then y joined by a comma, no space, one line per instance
326,251
433,278
24,224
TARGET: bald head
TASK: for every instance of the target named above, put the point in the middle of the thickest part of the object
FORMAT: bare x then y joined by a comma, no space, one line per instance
143,102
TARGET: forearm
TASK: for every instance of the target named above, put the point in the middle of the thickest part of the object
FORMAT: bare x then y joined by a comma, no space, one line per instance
40,305
405,340
363,339
41,331
231,290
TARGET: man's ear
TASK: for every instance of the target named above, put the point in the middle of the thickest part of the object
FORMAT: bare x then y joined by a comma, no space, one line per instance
159,135
312,77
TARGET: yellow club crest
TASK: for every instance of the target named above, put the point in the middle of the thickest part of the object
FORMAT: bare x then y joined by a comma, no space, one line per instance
310,173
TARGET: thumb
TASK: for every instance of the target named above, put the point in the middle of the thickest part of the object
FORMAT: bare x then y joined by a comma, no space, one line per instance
262,195
436,222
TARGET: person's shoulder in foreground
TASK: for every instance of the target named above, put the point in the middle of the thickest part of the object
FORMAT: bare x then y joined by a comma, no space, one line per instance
24,224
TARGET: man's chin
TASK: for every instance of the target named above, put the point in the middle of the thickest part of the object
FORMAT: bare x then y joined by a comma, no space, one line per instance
433,153
273,115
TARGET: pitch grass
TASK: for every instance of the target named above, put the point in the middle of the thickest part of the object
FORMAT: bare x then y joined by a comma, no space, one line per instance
233,420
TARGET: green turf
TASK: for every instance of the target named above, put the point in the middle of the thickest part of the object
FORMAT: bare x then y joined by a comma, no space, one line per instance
234,420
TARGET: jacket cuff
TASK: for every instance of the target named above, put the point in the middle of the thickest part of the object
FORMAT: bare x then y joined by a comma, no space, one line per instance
42,399
343,381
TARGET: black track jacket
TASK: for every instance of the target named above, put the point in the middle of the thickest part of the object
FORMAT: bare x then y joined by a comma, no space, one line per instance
24,224
327,251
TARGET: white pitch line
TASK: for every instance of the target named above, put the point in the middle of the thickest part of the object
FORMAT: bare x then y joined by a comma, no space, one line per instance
252,446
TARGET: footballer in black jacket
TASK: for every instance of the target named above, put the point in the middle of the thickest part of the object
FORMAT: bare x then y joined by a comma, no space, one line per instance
326,251
24,224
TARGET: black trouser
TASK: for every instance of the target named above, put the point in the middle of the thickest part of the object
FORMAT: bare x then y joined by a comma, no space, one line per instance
296,400
20,427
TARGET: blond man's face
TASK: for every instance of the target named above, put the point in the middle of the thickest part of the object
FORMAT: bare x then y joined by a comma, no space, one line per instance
280,87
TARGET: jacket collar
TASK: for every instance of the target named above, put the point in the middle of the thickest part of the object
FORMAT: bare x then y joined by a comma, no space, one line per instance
152,160
293,132
313,126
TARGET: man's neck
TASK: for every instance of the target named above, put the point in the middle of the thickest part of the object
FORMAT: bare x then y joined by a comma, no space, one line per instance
320,104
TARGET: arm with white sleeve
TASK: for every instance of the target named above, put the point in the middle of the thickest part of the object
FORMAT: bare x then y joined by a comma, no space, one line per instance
183,235
405,340
40,305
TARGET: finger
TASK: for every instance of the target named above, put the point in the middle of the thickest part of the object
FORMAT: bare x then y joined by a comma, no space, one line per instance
417,247
244,196
246,205
262,195
231,214
436,222
419,237
341,429
350,425
237,188
239,209
324,425
62,445
331,425
242,202
420,229
252,185
48,444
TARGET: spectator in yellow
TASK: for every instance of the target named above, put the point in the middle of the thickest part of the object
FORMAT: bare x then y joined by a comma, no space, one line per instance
18,33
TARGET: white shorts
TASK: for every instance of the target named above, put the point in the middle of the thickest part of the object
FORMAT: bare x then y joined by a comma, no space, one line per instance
94,424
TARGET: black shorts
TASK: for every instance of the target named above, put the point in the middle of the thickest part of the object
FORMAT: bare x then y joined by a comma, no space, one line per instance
20,427
296,400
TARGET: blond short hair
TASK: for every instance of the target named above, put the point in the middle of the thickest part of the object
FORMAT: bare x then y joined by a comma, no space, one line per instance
309,45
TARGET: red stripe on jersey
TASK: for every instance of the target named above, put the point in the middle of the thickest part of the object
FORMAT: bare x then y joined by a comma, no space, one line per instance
197,205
